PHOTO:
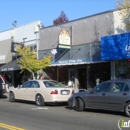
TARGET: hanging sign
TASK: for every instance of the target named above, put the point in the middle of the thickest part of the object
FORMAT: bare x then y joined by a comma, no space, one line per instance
64,38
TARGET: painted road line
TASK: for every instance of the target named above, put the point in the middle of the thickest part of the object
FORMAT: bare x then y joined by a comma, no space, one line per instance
10,127
39,108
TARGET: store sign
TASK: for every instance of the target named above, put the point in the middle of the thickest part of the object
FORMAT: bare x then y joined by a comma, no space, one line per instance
2,57
7,69
64,37
127,49
73,61
115,47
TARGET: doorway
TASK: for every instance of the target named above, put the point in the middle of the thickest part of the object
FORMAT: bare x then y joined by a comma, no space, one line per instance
71,74
82,78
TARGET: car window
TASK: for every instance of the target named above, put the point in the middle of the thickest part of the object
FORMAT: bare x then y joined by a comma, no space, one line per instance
126,88
53,84
26,85
119,87
104,87
35,84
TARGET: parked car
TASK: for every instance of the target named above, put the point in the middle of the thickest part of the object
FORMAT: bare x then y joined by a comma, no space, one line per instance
109,95
41,91
82,90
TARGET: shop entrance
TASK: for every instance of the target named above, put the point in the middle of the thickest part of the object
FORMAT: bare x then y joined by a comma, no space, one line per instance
71,74
82,78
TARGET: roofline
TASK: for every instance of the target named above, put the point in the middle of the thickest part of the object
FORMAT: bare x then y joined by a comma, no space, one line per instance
20,26
80,18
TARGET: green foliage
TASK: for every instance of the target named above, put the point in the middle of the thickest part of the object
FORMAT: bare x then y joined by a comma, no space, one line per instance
124,7
28,60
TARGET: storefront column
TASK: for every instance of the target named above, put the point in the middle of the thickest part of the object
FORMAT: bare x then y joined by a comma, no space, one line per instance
12,75
112,69
57,73
88,76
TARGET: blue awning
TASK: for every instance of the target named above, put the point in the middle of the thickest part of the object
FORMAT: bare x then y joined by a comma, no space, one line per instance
115,47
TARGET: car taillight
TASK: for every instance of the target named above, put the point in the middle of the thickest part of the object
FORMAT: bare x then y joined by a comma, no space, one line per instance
73,92
54,92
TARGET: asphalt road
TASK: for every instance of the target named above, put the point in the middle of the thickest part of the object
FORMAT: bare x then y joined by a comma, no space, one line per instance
27,116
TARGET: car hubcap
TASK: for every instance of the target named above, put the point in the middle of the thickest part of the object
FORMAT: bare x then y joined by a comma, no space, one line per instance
11,96
39,100
128,109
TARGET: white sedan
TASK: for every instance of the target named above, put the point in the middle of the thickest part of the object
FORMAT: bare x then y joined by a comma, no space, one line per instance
41,91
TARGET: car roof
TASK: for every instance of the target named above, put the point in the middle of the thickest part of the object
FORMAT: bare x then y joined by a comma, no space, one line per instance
112,80
42,80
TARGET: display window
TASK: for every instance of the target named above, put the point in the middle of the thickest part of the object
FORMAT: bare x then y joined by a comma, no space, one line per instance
122,68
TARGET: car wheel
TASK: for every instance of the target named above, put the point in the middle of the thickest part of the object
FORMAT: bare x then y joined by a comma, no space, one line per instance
39,100
11,97
127,109
79,104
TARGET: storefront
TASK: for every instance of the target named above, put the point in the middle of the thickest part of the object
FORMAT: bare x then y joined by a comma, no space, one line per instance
122,68
116,48
81,64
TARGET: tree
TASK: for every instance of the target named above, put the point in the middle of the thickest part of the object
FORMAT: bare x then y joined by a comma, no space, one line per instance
61,19
28,60
124,6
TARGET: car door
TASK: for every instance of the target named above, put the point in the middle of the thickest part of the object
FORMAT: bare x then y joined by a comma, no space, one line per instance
97,97
21,92
118,94
32,90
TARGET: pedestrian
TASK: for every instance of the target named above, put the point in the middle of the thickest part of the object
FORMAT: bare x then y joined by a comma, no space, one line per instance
41,77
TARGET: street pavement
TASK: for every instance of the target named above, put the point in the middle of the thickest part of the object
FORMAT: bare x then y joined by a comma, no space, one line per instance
28,116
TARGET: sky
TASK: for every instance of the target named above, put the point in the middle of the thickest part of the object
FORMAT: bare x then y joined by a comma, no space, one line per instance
27,11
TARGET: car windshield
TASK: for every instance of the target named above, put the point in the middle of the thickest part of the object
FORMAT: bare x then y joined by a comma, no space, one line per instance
53,84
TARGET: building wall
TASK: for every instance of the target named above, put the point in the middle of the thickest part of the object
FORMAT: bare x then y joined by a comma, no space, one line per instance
84,30
26,31
119,26
5,51
17,34
4,35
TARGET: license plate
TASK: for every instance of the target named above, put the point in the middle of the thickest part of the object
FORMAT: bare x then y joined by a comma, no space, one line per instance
64,92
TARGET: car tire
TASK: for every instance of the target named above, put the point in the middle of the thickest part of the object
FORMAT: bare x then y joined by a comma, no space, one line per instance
79,105
11,97
39,100
127,109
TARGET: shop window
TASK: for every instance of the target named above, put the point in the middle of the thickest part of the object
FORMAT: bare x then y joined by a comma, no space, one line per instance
122,68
